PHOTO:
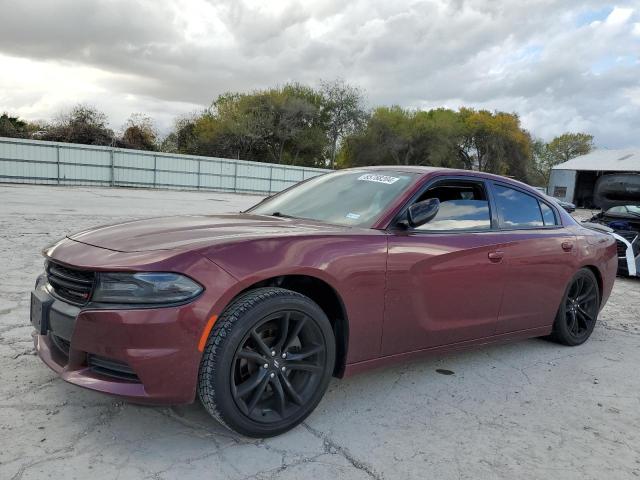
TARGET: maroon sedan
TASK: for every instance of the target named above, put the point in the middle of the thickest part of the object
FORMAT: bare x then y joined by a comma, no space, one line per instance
254,312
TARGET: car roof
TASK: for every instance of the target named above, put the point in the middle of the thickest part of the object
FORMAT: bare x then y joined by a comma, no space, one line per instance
424,171
404,168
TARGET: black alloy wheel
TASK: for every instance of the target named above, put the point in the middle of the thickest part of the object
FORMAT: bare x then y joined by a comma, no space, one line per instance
577,315
278,366
267,363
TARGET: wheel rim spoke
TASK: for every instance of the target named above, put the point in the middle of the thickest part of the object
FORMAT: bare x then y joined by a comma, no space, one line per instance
257,393
585,314
279,396
586,294
305,366
260,342
581,322
284,330
295,332
291,391
573,321
305,353
249,385
251,355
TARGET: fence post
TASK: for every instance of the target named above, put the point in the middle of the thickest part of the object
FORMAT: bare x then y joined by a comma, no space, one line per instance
155,170
112,179
199,162
58,164
270,178
235,177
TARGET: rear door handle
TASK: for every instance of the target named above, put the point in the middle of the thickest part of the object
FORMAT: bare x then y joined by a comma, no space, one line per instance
567,246
496,256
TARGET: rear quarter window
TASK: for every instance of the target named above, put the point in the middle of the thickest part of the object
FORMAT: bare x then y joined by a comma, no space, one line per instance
548,215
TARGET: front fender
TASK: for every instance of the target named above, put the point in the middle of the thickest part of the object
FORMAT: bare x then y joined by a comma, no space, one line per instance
353,265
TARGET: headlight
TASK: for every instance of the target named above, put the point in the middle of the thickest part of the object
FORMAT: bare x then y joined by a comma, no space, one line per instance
139,288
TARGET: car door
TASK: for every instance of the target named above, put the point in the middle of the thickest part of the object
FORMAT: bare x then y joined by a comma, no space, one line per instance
444,279
539,258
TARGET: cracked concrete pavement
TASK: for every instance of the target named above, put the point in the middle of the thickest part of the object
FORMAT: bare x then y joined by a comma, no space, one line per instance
530,409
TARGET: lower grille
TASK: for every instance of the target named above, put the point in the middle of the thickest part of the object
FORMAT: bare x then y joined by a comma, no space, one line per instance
111,368
61,344
71,284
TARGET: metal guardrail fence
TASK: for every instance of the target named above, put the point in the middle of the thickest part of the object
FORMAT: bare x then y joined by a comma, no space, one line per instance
34,161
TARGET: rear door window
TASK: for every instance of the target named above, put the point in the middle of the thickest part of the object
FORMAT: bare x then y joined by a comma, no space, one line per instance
517,209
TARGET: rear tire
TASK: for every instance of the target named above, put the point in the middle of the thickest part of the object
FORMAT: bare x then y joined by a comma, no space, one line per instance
578,311
267,363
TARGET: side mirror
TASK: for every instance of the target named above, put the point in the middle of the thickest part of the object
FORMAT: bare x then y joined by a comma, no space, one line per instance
422,212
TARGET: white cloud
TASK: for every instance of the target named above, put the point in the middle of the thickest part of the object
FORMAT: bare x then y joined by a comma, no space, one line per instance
559,64
619,16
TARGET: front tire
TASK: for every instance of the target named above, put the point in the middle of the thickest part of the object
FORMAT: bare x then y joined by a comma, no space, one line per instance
578,312
267,363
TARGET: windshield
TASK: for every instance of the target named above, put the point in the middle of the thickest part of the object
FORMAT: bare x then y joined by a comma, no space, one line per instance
353,198
625,209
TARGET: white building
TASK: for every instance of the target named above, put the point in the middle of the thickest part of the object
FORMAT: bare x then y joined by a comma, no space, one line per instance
574,181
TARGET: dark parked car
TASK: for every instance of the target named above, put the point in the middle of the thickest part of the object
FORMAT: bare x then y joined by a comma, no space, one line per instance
624,222
254,312
568,206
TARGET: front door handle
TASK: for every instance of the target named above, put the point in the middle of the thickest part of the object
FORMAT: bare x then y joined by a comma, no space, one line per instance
567,246
496,256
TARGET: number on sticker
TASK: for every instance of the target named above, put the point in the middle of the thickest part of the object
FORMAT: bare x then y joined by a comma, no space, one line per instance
370,177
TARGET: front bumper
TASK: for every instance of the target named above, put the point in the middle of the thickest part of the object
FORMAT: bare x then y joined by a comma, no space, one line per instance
145,355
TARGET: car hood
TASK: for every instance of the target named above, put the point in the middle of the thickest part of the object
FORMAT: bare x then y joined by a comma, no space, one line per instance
183,232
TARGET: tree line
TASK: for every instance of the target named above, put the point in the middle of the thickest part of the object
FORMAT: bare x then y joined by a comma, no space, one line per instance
328,126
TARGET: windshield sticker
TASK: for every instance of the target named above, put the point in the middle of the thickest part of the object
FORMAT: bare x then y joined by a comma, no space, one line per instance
353,216
370,177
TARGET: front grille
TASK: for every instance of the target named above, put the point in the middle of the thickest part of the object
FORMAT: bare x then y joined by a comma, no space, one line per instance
111,368
70,284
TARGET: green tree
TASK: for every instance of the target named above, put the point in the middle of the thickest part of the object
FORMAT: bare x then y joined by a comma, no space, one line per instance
343,106
495,142
559,150
82,124
139,133
476,140
13,127
398,136
567,146
281,125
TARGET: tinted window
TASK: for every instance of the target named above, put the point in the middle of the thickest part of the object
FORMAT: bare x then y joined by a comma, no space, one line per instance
343,198
463,206
548,215
518,209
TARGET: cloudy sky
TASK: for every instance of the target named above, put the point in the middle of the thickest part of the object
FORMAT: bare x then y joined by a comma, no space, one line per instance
561,65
